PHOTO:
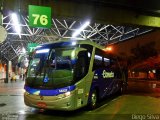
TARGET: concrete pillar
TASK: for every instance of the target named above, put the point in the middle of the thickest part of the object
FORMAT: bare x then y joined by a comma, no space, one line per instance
10,67
7,72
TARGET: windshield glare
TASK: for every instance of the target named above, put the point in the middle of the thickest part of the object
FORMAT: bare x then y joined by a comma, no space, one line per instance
57,59
61,62
38,60
60,59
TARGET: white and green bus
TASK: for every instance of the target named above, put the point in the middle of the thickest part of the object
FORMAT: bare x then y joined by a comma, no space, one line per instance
67,75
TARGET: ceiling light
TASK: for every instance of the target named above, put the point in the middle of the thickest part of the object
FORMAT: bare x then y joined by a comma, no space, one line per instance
16,23
78,31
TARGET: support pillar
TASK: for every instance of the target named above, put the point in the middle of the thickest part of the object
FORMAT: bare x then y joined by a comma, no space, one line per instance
7,73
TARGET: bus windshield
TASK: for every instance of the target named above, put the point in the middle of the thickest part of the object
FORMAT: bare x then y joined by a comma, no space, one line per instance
60,59
54,64
37,62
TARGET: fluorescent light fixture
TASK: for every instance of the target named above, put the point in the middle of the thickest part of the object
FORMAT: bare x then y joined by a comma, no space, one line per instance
26,62
23,50
77,32
38,46
42,51
16,23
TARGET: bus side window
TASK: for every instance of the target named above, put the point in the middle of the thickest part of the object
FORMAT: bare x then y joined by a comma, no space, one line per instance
97,62
107,62
82,65
98,59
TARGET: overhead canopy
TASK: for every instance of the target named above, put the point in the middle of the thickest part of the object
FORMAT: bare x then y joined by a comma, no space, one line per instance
111,22
133,12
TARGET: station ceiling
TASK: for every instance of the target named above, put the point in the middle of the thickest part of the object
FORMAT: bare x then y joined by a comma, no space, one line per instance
112,21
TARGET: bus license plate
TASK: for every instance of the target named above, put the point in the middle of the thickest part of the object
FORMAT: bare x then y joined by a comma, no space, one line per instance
41,104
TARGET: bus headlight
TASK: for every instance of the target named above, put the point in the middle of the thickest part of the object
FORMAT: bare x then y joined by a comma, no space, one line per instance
67,94
27,93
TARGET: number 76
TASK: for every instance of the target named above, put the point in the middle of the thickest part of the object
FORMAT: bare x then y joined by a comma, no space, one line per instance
42,18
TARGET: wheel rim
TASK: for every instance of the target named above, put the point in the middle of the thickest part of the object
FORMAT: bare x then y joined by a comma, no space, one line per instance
94,99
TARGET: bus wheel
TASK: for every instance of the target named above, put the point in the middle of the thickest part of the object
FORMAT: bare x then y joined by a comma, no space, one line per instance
93,100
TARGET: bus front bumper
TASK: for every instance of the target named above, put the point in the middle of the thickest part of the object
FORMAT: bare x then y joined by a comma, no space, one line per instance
58,102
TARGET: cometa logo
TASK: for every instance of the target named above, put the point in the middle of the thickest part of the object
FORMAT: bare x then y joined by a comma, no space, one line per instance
107,74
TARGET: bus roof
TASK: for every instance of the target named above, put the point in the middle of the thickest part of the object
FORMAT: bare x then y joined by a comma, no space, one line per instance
70,42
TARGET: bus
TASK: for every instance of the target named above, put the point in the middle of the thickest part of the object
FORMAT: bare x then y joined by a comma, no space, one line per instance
70,74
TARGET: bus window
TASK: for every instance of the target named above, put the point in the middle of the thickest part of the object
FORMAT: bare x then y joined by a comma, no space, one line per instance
82,65
106,62
89,48
98,60
63,62
59,59
38,61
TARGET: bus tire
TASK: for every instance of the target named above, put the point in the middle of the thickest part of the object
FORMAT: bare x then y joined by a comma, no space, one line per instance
93,100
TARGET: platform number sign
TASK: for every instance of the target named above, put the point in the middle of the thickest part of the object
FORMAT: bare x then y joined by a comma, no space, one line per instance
39,16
